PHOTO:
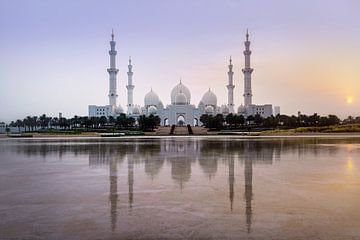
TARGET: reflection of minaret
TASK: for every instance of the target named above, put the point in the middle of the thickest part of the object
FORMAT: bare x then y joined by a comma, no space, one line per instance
131,180
231,182
248,191
113,196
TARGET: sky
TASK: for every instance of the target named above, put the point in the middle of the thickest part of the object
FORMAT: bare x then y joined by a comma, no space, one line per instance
54,54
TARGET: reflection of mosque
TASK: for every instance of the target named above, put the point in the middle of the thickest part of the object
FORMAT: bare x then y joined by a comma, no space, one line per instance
181,154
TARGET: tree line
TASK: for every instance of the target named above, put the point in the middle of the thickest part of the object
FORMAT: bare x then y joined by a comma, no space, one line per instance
44,122
284,121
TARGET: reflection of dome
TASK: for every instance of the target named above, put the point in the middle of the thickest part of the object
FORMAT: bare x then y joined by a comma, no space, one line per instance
241,109
119,110
181,170
136,110
152,109
180,99
209,109
151,99
153,166
208,165
224,109
209,98
180,88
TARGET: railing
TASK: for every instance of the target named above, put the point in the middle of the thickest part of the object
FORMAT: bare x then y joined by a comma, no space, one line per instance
190,129
172,130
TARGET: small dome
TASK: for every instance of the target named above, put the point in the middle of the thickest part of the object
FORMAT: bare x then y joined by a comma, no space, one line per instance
180,99
209,109
152,110
209,98
151,99
224,109
136,110
241,109
119,110
180,88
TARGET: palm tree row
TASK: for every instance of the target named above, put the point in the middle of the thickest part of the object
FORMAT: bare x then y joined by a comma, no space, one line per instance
234,121
43,122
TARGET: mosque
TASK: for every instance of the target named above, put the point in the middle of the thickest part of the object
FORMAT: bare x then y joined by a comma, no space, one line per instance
181,111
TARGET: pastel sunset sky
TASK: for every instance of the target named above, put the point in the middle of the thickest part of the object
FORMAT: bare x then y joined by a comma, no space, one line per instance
54,54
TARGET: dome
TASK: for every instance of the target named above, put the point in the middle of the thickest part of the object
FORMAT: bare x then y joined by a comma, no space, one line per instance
151,99
152,110
224,109
180,88
209,98
209,110
136,110
119,110
241,109
180,99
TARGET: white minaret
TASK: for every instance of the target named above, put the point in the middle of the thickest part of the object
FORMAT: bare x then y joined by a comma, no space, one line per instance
130,88
112,72
247,73
230,88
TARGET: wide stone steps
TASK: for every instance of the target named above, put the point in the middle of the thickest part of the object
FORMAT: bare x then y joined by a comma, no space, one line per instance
180,130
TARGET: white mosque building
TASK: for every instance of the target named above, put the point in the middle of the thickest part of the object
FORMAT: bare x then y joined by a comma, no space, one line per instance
180,110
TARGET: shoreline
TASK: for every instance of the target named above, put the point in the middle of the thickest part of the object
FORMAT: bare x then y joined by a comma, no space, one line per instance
151,135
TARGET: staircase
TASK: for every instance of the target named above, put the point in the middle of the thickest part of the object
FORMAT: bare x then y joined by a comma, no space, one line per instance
180,130
163,131
199,130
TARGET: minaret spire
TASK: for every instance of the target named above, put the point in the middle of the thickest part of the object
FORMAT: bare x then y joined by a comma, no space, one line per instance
112,72
247,70
230,87
130,87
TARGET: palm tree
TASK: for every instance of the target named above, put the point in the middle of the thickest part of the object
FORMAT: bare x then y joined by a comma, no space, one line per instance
54,122
19,124
44,121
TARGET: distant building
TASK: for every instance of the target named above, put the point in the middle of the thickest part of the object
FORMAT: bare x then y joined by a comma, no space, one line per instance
2,127
276,110
181,110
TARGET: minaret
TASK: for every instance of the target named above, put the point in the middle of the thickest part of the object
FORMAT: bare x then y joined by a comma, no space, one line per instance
130,89
247,73
230,88
112,72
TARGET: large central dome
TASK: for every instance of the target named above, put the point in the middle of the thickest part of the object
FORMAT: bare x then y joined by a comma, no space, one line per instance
180,88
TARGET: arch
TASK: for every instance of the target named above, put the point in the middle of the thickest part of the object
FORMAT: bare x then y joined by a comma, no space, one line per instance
180,120
196,122
166,122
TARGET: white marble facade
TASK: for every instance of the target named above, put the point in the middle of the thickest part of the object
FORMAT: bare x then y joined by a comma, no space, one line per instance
180,110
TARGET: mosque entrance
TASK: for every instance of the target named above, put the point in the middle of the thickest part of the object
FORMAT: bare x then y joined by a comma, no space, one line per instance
196,122
181,120
166,122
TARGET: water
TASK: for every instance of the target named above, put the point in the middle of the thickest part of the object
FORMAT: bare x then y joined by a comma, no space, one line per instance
180,188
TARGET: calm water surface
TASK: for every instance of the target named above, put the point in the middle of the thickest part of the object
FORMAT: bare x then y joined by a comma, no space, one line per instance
185,187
